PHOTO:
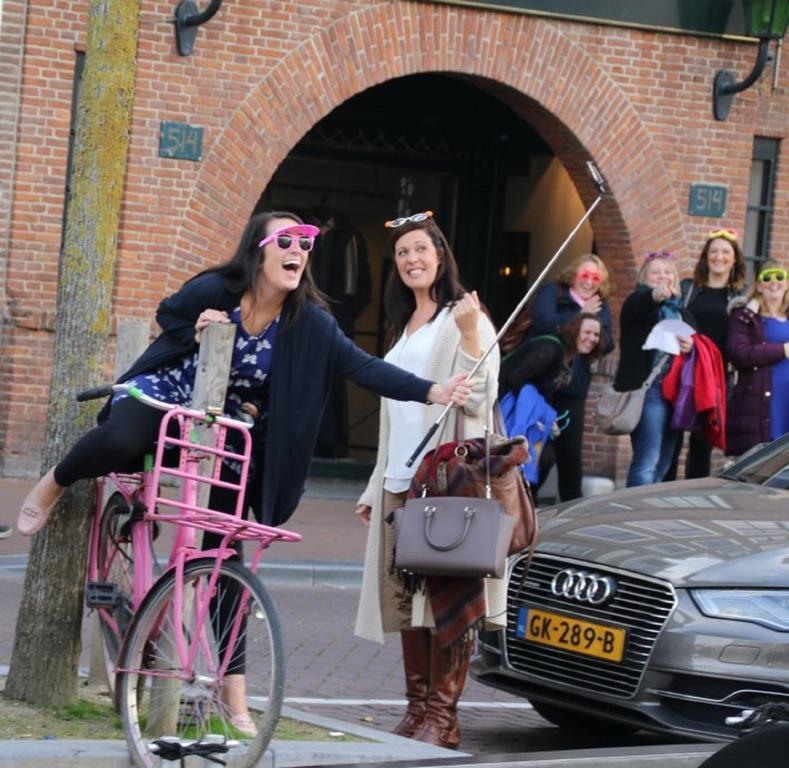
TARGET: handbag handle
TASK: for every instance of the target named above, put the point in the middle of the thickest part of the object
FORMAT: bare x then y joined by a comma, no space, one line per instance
468,514
655,371
459,431
461,449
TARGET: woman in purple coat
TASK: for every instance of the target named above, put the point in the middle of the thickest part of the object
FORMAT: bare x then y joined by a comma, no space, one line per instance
758,346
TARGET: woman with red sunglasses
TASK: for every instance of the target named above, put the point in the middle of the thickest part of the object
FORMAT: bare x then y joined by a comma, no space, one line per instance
288,349
758,346
581,287
718,278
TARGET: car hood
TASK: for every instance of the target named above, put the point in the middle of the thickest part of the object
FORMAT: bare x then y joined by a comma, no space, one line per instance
693,533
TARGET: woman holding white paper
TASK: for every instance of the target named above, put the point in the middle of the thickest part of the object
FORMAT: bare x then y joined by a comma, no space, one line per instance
655,298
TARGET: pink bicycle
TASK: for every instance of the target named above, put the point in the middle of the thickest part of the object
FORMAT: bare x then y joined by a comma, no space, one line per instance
172,644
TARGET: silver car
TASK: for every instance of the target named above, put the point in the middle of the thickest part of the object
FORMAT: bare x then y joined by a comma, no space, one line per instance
663,607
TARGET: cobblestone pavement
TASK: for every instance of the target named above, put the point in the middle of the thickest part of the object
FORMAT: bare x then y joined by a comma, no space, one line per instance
327,665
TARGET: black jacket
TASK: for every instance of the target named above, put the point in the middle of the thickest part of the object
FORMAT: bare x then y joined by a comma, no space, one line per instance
310,350
639,315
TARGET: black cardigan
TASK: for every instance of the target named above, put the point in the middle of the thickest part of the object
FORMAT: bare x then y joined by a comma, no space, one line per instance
640,313
310,350
536,361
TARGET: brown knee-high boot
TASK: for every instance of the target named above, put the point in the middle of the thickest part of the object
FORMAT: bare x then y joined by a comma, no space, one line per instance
449,668
416,664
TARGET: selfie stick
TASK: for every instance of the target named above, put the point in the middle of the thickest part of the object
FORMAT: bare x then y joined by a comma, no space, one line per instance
600,184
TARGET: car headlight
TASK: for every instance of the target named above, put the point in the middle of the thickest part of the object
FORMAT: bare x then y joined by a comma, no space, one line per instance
768,607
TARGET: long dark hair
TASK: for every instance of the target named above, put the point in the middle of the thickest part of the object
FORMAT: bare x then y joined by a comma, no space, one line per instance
242,271
399,300
737,274
568,333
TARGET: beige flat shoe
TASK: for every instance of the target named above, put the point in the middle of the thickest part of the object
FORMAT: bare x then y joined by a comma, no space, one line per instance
244,724
33,517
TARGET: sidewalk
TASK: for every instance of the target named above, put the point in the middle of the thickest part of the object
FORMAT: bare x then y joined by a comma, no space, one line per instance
330,554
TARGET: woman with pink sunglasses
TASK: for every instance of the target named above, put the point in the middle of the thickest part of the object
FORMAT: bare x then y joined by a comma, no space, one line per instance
288,349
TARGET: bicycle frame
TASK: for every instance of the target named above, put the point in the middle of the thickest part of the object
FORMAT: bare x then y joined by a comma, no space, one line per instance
189,516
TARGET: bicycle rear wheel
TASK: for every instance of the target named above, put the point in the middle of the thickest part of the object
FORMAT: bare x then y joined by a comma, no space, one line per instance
161,696
115,566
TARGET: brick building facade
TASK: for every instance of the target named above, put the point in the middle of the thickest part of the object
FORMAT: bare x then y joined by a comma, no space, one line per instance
636,101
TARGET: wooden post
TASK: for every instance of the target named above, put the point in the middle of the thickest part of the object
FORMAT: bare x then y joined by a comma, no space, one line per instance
211,381
213,367
133,338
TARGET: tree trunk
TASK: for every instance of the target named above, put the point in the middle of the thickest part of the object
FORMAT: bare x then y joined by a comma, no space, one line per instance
47,642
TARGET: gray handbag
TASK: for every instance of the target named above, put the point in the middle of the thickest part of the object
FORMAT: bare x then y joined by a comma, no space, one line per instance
453,536
458,535
618,413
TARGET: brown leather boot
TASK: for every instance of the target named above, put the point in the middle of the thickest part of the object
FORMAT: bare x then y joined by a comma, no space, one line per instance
416,664
449,668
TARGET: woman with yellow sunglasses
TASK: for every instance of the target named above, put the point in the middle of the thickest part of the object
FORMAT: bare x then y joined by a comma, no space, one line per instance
758,346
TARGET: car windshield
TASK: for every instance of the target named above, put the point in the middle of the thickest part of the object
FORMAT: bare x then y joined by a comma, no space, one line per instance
765,465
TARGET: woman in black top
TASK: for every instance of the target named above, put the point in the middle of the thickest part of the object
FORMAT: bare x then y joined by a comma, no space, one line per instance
718,277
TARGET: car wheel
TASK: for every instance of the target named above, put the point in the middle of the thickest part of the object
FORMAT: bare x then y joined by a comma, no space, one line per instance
570,718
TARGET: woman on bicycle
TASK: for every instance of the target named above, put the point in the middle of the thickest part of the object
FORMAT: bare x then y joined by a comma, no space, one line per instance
288,349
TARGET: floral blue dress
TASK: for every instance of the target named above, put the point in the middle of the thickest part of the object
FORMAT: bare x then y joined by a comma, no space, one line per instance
250,365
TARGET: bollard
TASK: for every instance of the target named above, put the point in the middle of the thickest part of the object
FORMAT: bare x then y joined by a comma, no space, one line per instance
211,381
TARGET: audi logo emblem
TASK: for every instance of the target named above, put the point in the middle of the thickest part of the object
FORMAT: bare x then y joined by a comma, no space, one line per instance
584,587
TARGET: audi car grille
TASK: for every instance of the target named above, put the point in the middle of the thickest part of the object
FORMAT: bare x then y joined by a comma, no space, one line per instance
640,605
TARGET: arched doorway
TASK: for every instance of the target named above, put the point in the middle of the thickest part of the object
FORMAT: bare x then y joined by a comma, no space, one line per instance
543,75
423,142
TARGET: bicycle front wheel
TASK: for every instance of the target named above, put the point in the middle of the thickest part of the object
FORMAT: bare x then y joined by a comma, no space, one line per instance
162,693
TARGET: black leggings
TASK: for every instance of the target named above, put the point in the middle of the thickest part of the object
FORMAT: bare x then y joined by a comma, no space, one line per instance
118,445
565,450
698,462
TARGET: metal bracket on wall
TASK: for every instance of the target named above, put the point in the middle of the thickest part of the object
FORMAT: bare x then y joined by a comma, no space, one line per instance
188,18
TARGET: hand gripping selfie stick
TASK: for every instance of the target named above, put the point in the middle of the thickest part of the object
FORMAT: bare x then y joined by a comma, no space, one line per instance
600,184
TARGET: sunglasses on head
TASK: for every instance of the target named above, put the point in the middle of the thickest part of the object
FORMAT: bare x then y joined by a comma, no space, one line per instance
658,255
727,234
416,217
773,273
587,276
304,234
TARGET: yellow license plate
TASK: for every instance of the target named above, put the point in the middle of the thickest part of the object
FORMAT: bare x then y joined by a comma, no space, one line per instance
570,634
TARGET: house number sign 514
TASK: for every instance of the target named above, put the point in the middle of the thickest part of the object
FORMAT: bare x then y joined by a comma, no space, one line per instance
707,200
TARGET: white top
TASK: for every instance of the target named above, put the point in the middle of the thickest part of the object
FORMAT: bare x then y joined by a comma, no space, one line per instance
410,353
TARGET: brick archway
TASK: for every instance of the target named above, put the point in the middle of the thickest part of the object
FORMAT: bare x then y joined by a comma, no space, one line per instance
526,61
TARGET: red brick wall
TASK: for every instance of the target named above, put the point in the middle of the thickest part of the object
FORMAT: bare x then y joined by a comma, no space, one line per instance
263,73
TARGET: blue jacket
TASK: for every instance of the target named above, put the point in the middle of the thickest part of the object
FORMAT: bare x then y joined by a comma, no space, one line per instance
310,350
553,306
529,414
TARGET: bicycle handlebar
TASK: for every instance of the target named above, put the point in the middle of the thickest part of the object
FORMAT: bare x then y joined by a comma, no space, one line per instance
95,393
244,421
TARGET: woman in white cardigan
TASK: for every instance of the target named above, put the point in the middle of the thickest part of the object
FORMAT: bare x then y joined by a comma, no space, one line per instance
436,329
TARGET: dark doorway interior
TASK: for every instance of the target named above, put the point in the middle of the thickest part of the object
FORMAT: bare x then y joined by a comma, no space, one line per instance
424,142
